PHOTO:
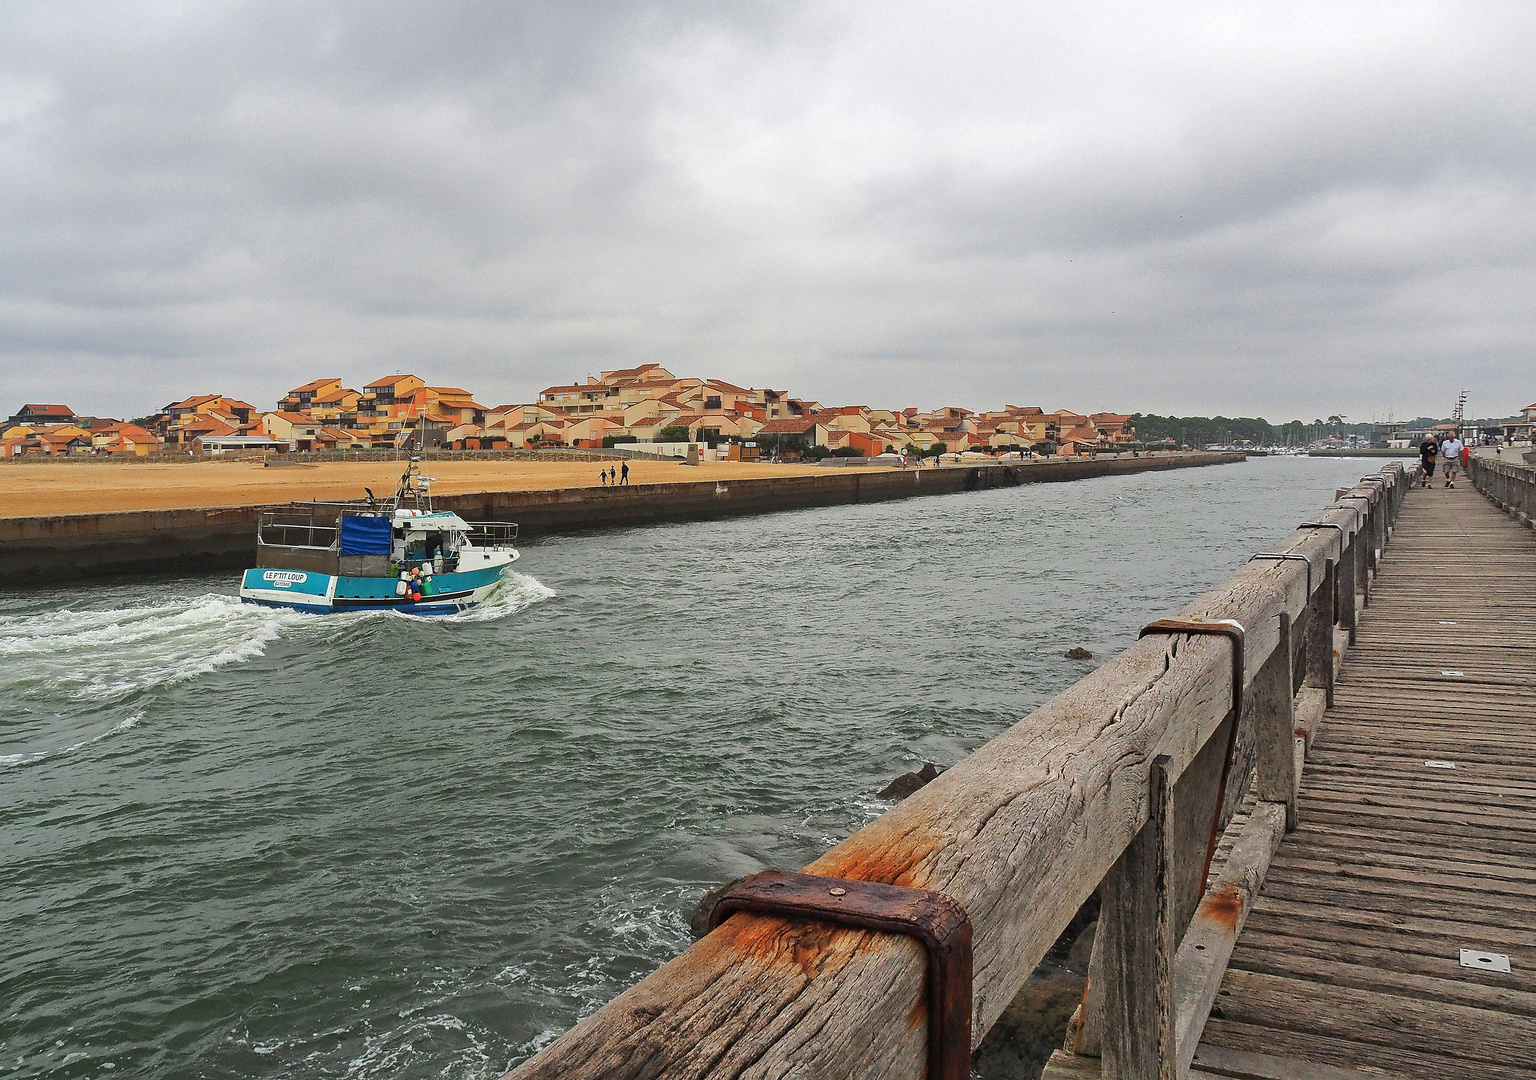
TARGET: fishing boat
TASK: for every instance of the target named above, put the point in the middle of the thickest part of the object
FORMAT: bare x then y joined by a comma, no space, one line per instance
395,554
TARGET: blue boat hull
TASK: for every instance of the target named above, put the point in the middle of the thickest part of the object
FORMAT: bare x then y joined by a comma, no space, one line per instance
324,594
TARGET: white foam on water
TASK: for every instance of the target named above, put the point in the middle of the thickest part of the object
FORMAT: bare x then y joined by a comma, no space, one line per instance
390,1052
106,655
514,593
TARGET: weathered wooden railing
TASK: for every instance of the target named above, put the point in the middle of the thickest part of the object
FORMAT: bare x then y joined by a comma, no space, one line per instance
1119,784
1511,487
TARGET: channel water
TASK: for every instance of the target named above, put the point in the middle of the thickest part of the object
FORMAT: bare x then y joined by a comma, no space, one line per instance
238,842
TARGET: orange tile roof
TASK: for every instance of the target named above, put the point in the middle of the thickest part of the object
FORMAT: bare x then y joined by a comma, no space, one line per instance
391,380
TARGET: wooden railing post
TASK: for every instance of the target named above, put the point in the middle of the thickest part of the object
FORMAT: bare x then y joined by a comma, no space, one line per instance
1275,726
1137,951
1320,623
1347,586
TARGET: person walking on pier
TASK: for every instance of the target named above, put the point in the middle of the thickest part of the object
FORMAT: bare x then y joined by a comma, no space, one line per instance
1450,453
1429,450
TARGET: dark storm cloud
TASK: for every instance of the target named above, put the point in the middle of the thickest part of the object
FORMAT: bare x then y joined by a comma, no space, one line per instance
1285,209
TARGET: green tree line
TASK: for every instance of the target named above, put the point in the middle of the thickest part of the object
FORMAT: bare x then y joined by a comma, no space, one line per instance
1204,430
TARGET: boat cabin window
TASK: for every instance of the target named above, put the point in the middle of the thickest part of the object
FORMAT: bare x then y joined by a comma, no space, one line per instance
414,548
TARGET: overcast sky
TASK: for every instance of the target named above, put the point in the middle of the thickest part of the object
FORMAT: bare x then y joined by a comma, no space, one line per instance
1284,210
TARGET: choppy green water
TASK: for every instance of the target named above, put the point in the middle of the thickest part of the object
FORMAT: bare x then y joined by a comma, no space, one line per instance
242,843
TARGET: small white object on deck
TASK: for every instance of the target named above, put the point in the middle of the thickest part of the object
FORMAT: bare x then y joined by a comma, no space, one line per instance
1484,961
1439,764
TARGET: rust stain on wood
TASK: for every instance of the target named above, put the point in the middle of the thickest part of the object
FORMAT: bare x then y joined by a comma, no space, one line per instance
1223,905
770,940
890,864
917,1016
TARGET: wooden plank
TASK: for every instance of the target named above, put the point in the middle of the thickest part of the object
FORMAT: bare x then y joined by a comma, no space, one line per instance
1243,1065
1202,957
1310,706
1345,1053
1432,948
1064,1066
1137,1038
1356,835
1363,968
1380,1019
1404,900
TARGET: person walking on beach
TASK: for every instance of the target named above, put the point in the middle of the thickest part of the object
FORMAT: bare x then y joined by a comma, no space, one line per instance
1450,455
1429,450
613,475
624,474
602,476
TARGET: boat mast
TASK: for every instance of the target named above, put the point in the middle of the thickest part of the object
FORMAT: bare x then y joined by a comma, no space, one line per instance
415,486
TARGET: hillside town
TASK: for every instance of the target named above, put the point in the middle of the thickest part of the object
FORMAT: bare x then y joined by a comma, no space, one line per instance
640,405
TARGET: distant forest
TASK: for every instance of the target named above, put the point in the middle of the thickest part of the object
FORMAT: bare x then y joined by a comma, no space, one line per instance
1204,430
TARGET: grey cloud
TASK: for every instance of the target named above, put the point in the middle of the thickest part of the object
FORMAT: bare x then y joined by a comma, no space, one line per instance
1285,209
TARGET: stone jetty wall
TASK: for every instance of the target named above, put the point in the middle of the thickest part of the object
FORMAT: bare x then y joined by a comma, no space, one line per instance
37,551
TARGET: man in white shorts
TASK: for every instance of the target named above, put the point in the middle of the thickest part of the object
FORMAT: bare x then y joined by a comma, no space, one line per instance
1450,458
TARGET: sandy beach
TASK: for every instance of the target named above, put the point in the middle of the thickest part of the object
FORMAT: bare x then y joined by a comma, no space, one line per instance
56,487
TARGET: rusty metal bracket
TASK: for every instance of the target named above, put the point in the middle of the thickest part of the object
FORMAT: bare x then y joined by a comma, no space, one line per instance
933,918
1234,632
1230,629
1289,555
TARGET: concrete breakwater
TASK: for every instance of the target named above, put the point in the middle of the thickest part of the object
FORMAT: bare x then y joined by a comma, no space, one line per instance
44,549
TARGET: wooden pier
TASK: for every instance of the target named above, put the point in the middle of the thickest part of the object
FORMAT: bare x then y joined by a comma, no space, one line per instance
1416,833
1352,715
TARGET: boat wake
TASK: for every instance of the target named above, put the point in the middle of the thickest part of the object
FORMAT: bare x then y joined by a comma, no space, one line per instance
515,593
106,655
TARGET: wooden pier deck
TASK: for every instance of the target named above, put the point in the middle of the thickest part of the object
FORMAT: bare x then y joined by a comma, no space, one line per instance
1417,833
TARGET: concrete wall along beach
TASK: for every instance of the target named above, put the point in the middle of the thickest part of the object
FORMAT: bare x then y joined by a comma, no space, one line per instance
41,550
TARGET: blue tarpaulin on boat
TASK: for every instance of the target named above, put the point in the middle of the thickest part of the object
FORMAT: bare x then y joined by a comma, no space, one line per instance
364,535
